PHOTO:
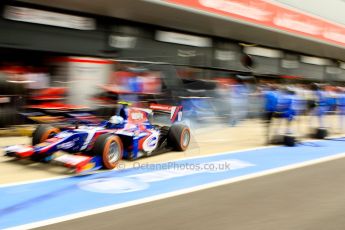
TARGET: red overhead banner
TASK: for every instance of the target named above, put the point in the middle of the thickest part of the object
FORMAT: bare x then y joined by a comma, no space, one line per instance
269,14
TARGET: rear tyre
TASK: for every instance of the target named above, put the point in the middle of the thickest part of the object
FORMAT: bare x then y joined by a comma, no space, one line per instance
110,148
179,137
43,132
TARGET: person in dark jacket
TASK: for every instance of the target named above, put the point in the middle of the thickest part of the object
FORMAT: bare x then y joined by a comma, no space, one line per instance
270,96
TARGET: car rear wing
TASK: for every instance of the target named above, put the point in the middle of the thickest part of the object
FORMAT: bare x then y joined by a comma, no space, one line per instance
174,111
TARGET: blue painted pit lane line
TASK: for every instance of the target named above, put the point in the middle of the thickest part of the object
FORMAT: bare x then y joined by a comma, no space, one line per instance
35,202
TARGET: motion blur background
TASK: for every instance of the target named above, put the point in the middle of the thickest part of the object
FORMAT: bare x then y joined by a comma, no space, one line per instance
214,57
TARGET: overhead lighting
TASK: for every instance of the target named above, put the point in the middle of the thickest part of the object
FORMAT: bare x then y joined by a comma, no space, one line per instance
30,15
183,39
246,45
20,82
225,55
289,64
342,65
315,60
333,70
5,100
263,52
122,42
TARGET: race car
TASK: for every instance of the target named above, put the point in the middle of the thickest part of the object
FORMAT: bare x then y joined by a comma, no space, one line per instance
129,135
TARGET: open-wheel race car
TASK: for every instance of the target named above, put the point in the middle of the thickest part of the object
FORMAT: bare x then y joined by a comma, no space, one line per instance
129,135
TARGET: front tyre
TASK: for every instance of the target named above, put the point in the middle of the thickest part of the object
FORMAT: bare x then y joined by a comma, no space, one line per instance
179,137
43,132
110,148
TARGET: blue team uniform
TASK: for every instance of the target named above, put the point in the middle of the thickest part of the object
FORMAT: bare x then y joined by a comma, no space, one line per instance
271,101
285,106
322,103
299,104
341,103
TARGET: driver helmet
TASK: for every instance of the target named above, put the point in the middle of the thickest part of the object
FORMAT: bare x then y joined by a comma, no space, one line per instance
116,120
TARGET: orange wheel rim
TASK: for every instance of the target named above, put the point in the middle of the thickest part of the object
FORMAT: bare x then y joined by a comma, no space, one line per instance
46,135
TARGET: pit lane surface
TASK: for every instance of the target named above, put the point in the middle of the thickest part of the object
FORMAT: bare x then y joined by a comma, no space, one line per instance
74,197
308,198
205,143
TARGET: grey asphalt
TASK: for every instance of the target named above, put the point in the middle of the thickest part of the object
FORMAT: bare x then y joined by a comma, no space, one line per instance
308,198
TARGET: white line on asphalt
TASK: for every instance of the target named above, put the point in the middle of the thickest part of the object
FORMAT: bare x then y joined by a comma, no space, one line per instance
175,193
